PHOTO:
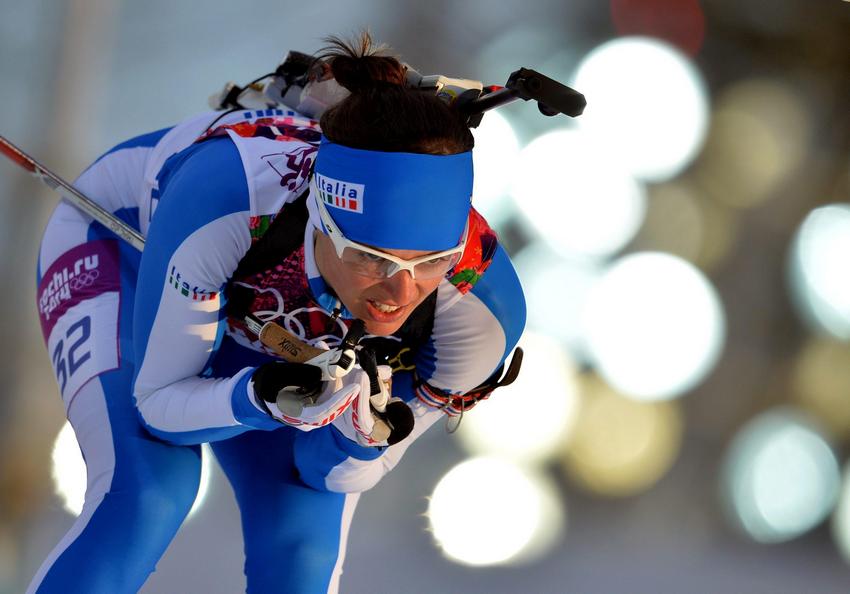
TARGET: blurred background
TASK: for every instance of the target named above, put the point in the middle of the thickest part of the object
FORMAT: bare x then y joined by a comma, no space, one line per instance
682,420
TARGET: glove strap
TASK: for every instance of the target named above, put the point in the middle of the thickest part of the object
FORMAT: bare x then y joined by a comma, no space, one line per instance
457,404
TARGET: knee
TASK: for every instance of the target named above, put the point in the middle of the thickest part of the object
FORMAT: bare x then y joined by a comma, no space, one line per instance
316,554
162,489
302,565
172,488
165,504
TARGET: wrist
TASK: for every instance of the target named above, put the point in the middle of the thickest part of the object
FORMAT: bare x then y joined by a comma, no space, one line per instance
246,410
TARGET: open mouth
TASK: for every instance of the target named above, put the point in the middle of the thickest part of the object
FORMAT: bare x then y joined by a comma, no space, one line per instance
384,312
385,307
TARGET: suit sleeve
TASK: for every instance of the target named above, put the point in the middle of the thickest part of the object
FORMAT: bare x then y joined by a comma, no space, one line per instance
471,338
195,241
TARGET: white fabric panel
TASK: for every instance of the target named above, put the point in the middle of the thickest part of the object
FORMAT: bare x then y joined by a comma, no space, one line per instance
191,404
169,394
183,333
267,161
469,342
115,180
355,476
66,229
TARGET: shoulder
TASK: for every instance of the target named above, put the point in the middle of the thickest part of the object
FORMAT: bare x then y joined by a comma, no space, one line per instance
201,223
203,182
499,291
474,332
485,279
277,154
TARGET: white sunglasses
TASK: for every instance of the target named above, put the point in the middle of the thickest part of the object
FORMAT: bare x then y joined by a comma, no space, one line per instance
373,263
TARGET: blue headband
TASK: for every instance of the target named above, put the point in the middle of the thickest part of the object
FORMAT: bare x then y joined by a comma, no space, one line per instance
395,200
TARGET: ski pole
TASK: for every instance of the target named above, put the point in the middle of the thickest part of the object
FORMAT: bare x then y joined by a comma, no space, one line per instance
72,195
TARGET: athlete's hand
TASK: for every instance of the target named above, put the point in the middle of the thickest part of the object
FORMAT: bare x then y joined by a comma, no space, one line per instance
297,393
375,418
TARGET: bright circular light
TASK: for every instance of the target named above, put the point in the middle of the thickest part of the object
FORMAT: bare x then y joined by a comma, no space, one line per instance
781,478
494,158
819,279
621,447
761,131
548,378
820,383
69,472
486,511
556,290
646,102
674,222
654,326
579,201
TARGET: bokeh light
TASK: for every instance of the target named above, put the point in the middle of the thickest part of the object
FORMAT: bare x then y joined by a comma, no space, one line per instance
556,290
721,224
674,222
646,103
494,157
821,383
654,326
546,383
621,447
780,476
820,283
759,134
578,200
69,472
487,511
840,524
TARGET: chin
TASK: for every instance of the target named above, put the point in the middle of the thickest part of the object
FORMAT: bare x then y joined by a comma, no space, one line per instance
382,328
381,323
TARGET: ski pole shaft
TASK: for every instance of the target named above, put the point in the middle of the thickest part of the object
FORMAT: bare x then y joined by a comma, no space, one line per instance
72,195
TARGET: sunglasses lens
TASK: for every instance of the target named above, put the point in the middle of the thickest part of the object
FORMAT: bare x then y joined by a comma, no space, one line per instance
436,267
375,266
365,263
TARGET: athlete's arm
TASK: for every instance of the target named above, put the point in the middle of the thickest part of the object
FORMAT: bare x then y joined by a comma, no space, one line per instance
195,241
470,340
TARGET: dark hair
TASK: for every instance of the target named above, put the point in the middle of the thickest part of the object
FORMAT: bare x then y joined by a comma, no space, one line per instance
381,113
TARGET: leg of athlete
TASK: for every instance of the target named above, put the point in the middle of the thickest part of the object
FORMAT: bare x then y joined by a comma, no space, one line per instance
139,489
294,535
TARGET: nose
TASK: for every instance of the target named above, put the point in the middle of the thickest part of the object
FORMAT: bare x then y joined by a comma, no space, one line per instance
401,287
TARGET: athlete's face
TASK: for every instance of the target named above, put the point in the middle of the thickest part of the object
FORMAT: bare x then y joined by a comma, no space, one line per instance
383,303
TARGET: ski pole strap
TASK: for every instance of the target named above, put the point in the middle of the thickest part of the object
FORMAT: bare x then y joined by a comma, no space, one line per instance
457,404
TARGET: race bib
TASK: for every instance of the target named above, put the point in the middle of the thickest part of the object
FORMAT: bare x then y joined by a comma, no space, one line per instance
78,306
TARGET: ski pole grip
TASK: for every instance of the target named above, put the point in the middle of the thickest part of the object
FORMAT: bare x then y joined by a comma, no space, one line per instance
367,361
352,337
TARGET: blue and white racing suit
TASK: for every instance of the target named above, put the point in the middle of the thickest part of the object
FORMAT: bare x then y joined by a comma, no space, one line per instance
150,365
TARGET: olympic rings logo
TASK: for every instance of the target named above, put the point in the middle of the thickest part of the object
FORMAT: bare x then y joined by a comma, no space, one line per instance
290,321
83,280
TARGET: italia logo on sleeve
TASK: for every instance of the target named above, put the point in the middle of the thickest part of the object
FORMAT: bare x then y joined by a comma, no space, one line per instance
340,194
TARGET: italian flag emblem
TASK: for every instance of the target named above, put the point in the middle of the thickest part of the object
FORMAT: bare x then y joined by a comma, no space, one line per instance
340,193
